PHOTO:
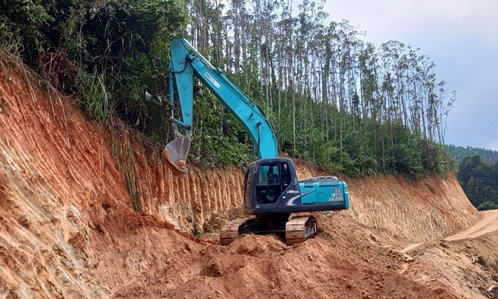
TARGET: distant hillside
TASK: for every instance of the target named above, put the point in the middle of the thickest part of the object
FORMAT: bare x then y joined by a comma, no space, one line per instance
459,152
477,174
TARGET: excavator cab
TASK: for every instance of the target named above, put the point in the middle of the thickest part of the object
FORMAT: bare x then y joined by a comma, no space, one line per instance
271,187
266,181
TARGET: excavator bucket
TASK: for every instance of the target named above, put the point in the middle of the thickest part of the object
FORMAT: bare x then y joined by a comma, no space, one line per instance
175,154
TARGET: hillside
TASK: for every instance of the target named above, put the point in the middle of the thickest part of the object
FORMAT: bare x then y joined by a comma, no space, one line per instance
68,229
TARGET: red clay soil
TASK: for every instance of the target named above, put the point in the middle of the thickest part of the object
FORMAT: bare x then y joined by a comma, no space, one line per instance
68,229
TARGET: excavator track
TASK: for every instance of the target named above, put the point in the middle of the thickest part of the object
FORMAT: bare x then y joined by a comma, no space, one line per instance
230,231
299,229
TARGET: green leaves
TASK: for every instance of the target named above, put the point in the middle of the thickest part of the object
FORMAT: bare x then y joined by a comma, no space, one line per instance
97,104
22,25
219,139
479,180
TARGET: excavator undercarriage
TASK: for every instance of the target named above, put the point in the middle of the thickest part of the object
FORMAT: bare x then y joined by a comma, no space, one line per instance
296,230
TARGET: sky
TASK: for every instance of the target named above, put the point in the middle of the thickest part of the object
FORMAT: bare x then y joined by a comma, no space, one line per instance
459,36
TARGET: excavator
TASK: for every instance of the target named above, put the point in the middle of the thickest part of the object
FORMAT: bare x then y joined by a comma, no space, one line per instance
271,188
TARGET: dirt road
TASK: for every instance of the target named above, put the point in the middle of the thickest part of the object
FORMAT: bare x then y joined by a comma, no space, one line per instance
488,223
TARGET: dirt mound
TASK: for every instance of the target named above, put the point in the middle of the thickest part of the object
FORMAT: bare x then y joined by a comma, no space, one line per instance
68,189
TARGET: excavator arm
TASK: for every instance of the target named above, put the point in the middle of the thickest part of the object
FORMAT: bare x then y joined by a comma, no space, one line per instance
185,64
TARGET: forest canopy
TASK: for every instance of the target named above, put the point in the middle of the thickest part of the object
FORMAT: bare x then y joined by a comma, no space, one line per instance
347,105
479,180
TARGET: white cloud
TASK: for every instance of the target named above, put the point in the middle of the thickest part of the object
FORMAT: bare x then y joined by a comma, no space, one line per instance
393,19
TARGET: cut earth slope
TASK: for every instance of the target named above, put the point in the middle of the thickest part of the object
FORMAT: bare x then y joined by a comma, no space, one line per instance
68,229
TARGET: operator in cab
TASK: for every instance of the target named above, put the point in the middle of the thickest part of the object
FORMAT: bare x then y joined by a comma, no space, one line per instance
271,178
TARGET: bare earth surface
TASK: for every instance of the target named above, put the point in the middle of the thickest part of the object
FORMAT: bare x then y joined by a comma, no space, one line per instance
68,230
488,224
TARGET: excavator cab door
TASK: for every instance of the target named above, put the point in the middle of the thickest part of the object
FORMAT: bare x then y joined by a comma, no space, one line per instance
269,185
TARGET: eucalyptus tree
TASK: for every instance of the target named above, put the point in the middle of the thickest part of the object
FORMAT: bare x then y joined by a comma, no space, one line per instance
198,13
324,59
219,35
445,110
392,58
243,21
310,31
347,51
268,55
369,89
426,81
440,108
285,49
414,95
237,18
369,92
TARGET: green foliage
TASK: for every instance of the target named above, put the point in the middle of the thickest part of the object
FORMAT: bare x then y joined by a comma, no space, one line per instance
488,205
354,149
479,180
123,45
23,24
219,137
477,174
98,103
328,157
129,42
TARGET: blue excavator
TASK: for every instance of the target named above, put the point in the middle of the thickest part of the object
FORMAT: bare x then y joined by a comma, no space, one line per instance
271,190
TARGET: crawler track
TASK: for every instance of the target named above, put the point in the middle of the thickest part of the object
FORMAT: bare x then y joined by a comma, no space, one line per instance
299,229
230,231
294,231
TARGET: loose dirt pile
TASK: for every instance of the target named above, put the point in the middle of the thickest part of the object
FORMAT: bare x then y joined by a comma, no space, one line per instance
68,230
